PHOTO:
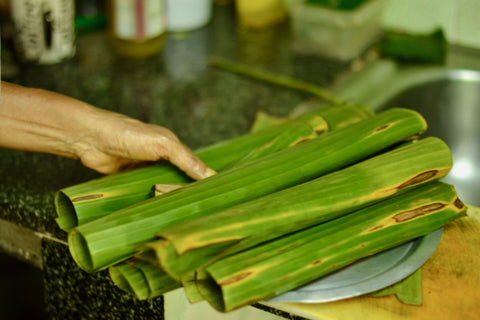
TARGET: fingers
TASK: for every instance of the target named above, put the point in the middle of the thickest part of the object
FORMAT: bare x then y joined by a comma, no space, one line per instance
122,141
169,147
186,161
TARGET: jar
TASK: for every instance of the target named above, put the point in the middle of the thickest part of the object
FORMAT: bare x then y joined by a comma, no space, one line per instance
136,28
44,30
187,15
260,14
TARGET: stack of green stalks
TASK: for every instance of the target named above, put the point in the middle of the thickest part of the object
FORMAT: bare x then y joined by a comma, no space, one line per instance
290,203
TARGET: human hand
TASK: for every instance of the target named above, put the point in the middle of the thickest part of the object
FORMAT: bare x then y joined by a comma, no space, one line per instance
44,121
113,142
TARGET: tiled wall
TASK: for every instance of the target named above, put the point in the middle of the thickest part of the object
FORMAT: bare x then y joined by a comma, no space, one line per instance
460,19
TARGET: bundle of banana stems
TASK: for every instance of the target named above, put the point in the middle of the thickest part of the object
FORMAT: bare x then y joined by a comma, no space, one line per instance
299,258
195,245
343,185
190,245
115,237
85,202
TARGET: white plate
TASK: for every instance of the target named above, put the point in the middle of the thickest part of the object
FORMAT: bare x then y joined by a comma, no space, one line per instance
367,275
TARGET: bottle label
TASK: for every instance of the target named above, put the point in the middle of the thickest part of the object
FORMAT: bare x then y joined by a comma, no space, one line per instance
139,19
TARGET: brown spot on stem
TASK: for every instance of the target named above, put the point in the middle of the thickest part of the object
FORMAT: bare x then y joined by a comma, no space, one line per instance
317,261
236,278
88,197
421,177
459,204
376,228
414,137
417,212
383,127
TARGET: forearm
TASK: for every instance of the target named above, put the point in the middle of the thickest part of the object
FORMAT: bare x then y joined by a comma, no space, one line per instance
42,121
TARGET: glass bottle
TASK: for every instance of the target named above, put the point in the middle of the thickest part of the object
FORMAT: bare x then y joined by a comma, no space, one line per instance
136,28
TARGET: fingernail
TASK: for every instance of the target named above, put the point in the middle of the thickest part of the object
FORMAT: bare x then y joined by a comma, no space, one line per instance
206,173
209,172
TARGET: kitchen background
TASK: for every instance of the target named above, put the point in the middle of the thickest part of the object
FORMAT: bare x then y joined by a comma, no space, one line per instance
460,22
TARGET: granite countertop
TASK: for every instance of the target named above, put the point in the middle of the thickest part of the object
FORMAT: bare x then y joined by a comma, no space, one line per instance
175,89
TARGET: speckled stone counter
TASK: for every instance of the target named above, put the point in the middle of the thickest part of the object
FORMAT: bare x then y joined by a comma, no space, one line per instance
175,89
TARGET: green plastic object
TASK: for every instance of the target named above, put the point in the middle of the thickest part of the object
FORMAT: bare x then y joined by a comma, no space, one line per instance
415,48
337,4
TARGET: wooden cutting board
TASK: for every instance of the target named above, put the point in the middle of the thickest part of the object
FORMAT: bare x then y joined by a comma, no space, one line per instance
450,281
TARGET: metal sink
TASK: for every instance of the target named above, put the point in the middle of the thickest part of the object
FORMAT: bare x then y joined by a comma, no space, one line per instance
451,106
449,99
